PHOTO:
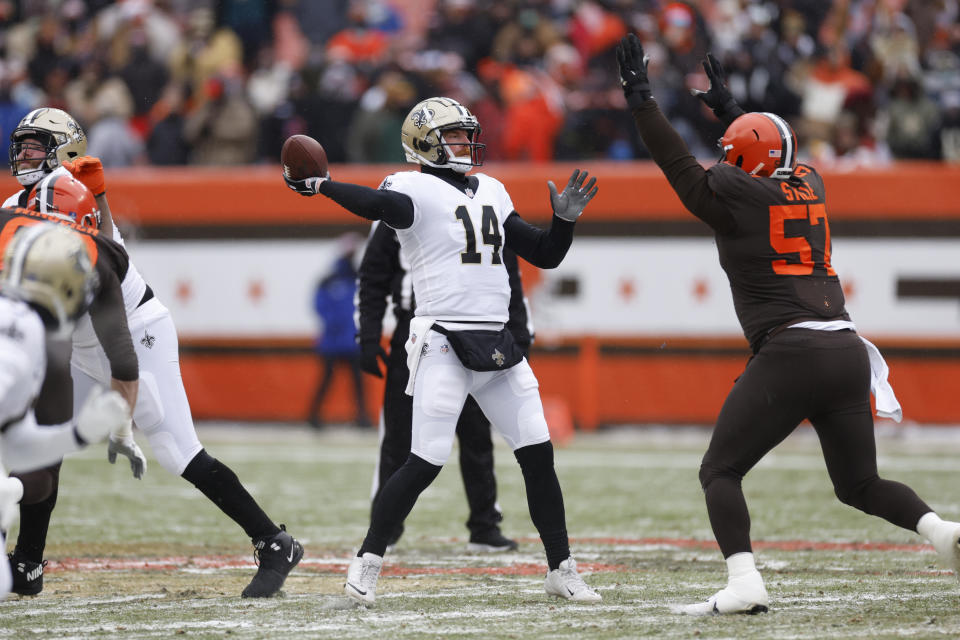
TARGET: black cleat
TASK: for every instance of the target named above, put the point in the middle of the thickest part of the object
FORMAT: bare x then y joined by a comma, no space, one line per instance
491,541
276,557
27,575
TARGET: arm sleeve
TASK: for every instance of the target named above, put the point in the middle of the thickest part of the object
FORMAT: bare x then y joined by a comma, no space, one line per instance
110,324
682,170
544,249
519,322
393,207
27,447
381,262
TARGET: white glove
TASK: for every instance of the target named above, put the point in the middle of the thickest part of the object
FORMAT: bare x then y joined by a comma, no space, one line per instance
569,203
103,412
11,490
125,445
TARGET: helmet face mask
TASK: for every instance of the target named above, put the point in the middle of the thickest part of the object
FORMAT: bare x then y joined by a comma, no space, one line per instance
66,198
44,139
47,266
422,135
762,144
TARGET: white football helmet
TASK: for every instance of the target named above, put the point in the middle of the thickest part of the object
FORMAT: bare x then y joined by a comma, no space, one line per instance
49,135
47,266
422,135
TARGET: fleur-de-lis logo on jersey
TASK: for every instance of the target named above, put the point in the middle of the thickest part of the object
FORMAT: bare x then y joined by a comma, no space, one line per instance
148,340
421,117
497,357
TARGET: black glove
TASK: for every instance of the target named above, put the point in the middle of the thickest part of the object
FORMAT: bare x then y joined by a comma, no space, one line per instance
718,97
307,186
369,352
632,63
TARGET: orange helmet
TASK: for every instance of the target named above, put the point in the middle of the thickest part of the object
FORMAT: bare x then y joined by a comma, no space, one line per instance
762,144
65,197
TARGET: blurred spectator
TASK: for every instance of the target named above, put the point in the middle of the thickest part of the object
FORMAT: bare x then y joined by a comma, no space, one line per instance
950,133
247,19
205,51
145,77
541,72
337,345
166,143
829,84
464,28
913,121
851,146
318,20
361,42
328,104
524,38
223,129
111,138
373,132
533,115
12,107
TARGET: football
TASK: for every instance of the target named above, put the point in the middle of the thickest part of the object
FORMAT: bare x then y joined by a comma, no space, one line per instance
303,157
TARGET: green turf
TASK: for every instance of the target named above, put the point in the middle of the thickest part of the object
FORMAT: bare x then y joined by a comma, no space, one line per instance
624,491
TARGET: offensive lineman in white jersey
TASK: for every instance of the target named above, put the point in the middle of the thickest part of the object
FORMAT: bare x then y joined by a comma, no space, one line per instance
451,229
49,144
46,283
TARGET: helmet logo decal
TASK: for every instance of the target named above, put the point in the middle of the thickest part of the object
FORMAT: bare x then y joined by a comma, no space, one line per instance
421,117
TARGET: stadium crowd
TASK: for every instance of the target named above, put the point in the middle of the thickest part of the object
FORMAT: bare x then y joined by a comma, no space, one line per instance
172,82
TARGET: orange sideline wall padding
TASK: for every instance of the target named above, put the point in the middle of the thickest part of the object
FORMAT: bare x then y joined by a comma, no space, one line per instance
628,192
596,386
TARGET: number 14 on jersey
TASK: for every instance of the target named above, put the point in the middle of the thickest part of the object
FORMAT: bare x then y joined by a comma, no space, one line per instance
489,232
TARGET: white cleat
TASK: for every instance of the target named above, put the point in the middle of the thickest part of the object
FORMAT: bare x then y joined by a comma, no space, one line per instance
565,582
745,594
946,540
362,578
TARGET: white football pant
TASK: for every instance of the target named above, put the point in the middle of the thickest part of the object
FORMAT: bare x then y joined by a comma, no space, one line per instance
162,412
510,399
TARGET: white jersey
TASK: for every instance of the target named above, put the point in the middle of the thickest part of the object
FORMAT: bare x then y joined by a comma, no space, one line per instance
133,284
23,359
454,247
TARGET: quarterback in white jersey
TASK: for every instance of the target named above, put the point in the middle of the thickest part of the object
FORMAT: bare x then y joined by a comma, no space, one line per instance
47,145
47,281
451,229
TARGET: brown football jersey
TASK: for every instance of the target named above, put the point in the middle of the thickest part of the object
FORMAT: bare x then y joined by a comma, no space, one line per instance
777,254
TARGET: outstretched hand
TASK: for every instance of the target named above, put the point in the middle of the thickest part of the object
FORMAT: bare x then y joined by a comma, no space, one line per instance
569,204
632,64
718,96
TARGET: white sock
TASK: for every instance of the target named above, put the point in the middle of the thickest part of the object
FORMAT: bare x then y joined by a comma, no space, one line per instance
741,564
927,524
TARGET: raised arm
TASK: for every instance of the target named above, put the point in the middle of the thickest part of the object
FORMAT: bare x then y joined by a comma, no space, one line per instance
546,249
687,177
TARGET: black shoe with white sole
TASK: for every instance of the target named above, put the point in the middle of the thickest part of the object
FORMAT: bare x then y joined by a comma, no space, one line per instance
277,556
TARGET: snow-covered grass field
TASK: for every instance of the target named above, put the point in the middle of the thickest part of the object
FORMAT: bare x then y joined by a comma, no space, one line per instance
153,558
